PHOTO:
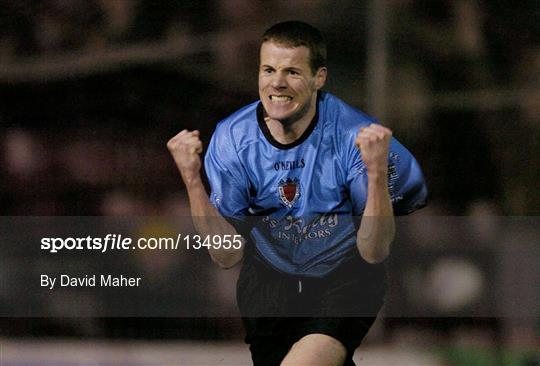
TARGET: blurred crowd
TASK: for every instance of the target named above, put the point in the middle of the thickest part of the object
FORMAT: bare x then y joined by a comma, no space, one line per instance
35,28
463,94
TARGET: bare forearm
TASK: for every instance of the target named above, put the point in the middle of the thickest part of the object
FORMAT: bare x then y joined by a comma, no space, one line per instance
378,227
186,148
208,221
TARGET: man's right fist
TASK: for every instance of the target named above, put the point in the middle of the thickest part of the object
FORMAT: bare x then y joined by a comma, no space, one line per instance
185,148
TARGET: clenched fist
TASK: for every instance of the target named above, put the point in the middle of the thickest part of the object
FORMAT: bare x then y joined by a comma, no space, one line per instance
185,148
374,142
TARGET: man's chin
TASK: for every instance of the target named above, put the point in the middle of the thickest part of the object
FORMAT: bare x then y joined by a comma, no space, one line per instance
278,115
285,120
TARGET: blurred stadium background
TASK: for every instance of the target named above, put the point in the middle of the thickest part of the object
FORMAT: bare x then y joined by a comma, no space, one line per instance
91,91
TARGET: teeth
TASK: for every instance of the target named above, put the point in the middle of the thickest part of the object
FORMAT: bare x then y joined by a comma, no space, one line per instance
280,98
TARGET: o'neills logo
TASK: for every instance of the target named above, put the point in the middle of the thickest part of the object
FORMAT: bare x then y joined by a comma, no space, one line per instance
290,164
289,191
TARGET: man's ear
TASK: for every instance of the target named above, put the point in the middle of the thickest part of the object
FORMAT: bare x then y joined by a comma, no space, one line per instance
320,77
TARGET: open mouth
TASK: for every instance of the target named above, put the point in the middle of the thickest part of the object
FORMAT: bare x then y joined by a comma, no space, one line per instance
280,98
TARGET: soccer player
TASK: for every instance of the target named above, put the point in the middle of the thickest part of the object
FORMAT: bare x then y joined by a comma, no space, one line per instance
293,173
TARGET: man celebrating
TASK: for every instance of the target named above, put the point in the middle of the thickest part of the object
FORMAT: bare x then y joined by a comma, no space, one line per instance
292,173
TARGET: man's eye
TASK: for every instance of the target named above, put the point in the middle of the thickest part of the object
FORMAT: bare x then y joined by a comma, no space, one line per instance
292,72
268,71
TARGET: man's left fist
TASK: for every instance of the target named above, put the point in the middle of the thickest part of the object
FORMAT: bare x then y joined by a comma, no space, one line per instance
373,142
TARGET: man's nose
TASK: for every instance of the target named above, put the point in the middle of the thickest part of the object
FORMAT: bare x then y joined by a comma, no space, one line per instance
279,81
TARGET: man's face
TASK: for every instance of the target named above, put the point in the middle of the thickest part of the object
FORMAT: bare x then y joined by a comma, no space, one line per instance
287,86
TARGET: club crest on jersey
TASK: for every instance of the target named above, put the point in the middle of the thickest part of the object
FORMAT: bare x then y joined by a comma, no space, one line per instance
289,191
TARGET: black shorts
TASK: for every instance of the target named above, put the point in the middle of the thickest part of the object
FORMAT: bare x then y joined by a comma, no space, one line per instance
279,309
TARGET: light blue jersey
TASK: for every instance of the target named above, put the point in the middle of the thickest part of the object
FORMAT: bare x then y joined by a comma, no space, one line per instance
301,199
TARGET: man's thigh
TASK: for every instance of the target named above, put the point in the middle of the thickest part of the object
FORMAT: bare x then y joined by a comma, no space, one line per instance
269,351
274,339
316,349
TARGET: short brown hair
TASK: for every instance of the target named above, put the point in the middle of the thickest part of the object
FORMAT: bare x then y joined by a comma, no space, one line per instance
295,34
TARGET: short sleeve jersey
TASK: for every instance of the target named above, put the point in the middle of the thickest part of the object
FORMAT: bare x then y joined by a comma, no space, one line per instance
301,199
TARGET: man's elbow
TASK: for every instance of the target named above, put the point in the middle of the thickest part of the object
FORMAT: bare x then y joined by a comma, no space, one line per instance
374,255
374,258
227,264
227,261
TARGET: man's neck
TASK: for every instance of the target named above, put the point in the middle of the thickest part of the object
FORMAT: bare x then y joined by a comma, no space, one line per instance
286,132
